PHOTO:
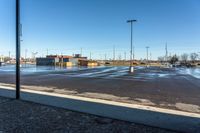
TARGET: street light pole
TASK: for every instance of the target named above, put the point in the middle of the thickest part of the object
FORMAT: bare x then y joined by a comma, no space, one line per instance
90,56
131,69
18,49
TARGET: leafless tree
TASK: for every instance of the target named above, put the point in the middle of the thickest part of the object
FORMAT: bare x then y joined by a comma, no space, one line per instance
161,59
193,57
174,59
184,57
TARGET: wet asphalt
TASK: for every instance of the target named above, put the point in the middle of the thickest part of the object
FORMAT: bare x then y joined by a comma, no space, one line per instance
161,86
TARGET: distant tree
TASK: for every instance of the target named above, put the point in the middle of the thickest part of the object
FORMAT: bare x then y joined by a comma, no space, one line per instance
184,57
193,57
161,59
174,59
6,59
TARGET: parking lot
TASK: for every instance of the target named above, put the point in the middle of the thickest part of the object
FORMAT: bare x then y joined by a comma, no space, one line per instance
174,88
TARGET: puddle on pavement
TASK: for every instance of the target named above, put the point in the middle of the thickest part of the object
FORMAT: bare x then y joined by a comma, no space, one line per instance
106,71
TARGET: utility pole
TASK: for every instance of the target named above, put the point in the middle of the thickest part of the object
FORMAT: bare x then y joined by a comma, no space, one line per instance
113,52
166,53
133,53
147,55
47,52
150,56
81,51
34,56
100,55
90,56
9,55
131,69
125,56
119,57
105,57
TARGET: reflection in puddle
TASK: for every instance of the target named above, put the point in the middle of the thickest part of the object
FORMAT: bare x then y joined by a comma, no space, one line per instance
195,72
116,72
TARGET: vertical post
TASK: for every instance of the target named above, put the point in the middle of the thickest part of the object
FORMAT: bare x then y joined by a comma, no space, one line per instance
166,53
90,56
81,51
133,53
17,49
9,55
47,52
147,55
150,56
131,69
113,52
131,58
125,56
113,62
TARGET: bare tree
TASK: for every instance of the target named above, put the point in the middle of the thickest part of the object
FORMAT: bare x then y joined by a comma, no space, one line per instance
184,57
161,59
193,57
174,59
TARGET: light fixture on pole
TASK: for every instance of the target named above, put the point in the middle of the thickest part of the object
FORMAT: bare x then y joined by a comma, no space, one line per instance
131,69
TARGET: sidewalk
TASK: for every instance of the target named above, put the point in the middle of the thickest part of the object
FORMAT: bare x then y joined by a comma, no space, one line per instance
19,116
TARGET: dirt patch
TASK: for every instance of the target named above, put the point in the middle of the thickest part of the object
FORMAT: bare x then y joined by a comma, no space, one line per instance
188,107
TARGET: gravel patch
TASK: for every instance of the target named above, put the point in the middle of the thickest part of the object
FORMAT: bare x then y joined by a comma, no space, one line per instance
18,116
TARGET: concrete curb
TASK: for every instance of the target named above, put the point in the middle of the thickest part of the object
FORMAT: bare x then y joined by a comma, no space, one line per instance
157,117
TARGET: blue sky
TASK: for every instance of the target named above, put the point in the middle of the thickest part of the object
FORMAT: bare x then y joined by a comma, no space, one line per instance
66,26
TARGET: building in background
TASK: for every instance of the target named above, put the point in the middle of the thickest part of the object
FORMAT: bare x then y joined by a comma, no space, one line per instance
65,61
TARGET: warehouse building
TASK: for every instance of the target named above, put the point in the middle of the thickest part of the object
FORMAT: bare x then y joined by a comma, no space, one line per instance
56,60
65,61
46,61
88,63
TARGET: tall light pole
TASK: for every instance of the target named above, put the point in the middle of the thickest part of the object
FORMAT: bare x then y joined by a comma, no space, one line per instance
47,52
90,55
9,55
81,52
18,49
147,55
131,69
150,56
166,53
105,56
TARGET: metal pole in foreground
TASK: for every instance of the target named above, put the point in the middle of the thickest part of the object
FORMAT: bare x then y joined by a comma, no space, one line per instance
131,69
17,49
